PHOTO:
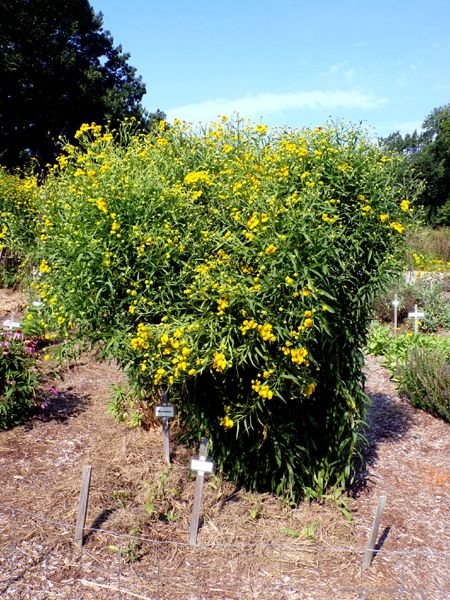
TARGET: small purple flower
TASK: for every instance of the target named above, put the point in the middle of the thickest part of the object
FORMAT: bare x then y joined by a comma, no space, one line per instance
53,390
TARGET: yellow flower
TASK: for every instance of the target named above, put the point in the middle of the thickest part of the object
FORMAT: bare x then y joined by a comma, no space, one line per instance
226,422
288,280
261,128
220,362
397,227
384,217
271,249
252,223
309,389
197,177
308,323
298,355
265,331
44,267
222,305
404,205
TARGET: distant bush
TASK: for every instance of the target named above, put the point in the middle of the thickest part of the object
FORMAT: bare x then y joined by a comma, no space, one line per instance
425,379
18,379
19,207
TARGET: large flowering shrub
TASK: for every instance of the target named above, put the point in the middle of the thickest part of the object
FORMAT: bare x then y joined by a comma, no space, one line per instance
236,267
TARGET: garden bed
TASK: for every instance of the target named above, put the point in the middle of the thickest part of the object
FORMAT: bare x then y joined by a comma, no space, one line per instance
250,545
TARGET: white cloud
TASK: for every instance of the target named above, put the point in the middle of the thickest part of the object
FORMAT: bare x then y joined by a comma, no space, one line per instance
408,127
266,103
342,71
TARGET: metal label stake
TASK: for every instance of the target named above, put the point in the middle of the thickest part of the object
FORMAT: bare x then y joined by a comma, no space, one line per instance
165,411
202,465
395,304
416,315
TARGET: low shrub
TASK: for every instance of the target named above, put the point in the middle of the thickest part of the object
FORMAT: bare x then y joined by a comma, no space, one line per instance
425,379
18,378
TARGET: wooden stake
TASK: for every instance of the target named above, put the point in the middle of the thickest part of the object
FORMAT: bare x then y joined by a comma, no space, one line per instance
198,464
82,507
368,555
165,411
166,440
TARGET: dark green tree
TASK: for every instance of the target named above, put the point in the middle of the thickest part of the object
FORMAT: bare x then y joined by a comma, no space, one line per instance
58,69
427,155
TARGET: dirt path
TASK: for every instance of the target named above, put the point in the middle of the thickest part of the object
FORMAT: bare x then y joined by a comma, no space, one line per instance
250,545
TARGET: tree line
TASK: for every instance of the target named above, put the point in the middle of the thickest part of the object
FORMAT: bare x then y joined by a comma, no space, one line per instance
427,156
58,69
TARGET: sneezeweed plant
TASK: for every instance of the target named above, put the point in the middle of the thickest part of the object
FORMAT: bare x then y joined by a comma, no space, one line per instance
18,379
235,266
19,203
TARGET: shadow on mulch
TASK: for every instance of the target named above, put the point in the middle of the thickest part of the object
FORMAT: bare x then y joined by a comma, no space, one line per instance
387,421
59,407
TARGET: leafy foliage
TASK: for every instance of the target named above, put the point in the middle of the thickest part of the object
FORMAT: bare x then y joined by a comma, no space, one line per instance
396,348
18,379
425,379
236,267
19,208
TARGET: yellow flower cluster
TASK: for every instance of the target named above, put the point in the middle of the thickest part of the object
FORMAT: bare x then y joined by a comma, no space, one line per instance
248,325
44,267
327,219
226,422
141,341
262,389
298,355
265,331
430,263
222,305
398,227
404,205
195,177
220,363
309,390
85,128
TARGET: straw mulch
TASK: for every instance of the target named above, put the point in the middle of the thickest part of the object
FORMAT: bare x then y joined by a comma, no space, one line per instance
249,545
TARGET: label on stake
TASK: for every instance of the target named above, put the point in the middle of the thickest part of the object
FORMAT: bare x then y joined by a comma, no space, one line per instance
202,465
165,411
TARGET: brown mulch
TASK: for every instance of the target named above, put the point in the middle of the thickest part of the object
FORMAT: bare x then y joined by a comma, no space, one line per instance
249,545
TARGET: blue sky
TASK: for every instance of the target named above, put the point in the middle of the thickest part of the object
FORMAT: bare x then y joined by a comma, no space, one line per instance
289,63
